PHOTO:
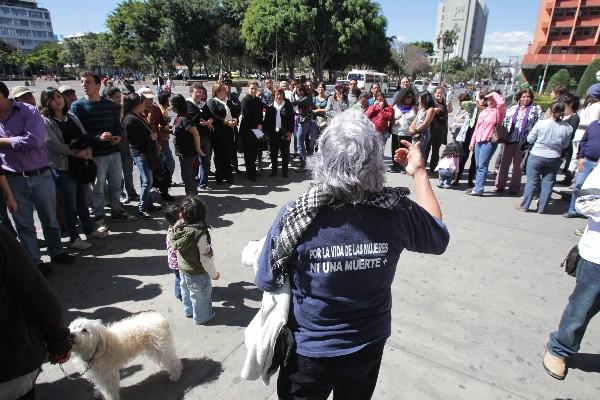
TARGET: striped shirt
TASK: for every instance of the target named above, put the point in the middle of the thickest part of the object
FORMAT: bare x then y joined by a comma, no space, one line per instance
98,117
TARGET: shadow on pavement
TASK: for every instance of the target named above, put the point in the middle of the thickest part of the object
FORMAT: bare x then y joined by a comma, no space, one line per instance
218,207
585,362
155,386
233,311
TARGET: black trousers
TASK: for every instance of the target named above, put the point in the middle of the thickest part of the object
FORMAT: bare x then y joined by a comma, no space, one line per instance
279,146
234,156
250,152
396,144
351,377
463,161
223,149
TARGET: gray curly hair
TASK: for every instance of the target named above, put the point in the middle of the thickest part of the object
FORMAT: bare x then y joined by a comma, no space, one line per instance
349,164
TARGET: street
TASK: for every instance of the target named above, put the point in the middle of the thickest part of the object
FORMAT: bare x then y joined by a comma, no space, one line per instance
469,324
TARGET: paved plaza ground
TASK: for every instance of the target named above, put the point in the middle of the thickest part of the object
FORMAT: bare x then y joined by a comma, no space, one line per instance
469,324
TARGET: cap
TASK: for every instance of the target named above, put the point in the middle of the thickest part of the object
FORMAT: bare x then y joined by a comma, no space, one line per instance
594,90
65,88
19,91
146,92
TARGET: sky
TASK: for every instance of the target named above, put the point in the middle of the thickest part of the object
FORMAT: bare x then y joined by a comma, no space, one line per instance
509,29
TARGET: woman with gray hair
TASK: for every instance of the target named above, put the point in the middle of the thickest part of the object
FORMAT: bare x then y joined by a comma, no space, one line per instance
337,247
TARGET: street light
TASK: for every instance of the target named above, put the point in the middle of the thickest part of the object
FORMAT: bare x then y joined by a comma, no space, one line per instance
546,70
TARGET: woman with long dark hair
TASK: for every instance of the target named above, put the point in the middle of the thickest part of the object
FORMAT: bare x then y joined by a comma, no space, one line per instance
68,146
419,128
549,138
438,128
187,143
142,145
307,128
223,136
279,125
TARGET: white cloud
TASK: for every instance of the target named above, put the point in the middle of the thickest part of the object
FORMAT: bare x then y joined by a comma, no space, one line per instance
501,45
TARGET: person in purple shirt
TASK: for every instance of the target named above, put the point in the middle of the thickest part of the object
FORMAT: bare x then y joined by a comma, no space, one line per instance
24,159
338,246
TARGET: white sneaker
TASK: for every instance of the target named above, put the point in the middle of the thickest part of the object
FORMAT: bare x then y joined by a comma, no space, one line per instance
101,233
79,244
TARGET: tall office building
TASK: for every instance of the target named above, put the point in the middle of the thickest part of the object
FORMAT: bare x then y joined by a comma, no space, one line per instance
24,24
469,19
566,36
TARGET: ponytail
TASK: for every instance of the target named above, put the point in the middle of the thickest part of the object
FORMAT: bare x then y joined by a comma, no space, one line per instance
558,110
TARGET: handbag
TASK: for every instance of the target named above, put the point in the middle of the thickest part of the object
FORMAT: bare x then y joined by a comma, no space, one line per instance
570,262
84,170
500,134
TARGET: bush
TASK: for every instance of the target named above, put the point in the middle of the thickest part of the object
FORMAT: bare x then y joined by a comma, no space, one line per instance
588,78
561,77
543,101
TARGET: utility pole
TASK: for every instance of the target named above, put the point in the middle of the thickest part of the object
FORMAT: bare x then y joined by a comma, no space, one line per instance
546,70
276,78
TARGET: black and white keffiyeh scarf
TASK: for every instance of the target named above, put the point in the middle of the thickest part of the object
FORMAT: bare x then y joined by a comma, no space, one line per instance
302,212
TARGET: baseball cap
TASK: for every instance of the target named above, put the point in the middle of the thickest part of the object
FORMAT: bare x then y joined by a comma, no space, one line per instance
65,88
594,90
19,91
146,92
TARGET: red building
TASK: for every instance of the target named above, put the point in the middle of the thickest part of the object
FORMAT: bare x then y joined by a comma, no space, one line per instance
567,35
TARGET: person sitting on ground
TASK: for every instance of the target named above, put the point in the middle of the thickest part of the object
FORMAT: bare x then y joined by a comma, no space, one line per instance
447,168
337,247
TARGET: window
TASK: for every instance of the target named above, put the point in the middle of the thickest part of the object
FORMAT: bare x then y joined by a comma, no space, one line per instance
560,32
19,12
6,21
23,22
5,10
586,31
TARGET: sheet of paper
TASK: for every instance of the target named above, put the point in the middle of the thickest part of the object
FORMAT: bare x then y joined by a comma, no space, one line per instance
258,133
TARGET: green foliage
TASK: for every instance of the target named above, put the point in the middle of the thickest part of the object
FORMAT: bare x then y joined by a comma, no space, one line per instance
452,66
415,61
561,77
588,78
427,47
543,101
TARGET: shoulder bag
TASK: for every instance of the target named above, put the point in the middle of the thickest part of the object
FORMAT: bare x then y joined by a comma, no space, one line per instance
570,262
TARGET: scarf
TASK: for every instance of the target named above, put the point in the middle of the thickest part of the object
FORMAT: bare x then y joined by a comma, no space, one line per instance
300,215
517,136
228,116
278,109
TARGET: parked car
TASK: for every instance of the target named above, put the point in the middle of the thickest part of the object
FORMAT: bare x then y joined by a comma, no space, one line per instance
419,84
433,85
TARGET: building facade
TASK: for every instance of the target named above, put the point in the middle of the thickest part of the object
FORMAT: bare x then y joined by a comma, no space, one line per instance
567,35
24,24
469,19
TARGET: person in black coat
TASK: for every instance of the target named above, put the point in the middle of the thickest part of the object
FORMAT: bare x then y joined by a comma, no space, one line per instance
32,322
279,126
252,118
201,118
223,136
236,109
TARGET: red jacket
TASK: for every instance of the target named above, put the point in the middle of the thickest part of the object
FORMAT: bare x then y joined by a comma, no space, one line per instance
380,117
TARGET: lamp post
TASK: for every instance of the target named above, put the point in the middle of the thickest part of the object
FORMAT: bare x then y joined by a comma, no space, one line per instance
546,70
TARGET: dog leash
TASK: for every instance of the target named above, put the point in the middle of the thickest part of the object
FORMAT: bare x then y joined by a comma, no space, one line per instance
87,368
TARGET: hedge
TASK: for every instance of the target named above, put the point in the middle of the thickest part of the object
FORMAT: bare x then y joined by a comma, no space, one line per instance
588,78
562,78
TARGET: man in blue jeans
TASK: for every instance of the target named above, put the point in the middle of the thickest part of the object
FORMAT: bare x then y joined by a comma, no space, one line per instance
100,118
584,302
24,159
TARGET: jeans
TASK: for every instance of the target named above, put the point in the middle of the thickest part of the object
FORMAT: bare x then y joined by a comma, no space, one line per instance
483,154
39,192
588,167
206,147
306,130
187,174
196,293
445,176
511,154
127,182
423,141
351,377
177,284
74,203
584,304
538,166
146,177
109,169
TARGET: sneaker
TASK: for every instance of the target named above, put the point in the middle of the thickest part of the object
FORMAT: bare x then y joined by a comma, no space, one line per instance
79,244
579,232
555,366
144,215
99,234
472,192
446,186
155,207
44,268
570,215
62,258
123,217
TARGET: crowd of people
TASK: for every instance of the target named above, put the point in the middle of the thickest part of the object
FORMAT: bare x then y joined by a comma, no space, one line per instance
79,154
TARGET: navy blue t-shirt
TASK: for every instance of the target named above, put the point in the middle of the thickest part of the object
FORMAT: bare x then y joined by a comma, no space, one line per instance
342,272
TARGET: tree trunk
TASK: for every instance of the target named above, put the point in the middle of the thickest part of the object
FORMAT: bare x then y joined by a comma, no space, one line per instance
190,68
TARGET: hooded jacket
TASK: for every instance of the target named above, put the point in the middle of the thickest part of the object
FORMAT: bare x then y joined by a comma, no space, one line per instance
194,251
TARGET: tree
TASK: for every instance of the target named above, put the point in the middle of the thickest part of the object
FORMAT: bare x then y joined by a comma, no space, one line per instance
9,57
452,66
73,53
589,77
561,77
427,47
47,57
415,61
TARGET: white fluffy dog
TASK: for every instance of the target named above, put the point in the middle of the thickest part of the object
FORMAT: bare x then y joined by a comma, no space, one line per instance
105,349
251,253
